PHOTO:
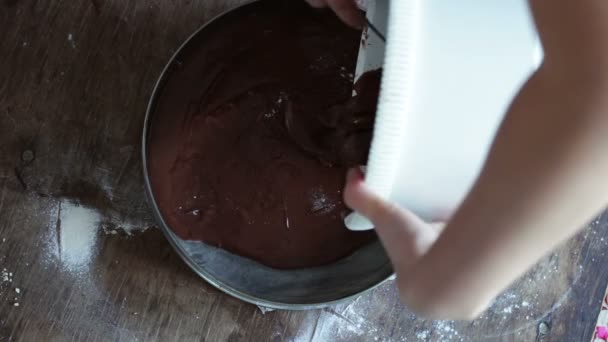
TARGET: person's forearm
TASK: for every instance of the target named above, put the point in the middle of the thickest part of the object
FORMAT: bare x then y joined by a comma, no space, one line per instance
545,176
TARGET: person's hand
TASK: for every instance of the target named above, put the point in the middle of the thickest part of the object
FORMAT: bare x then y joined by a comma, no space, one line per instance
404,235
347,10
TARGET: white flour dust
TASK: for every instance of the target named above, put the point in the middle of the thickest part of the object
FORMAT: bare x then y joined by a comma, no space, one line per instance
6,283
320,202
71,40
423,335
276,106
446,332
77,228
114,225
6,276
341,323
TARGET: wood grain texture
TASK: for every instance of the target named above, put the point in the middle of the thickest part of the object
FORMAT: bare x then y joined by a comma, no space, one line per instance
75,77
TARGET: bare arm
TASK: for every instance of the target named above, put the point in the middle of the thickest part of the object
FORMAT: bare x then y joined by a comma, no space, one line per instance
545,177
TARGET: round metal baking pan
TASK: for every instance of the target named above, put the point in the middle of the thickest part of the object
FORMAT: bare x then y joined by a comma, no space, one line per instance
251,281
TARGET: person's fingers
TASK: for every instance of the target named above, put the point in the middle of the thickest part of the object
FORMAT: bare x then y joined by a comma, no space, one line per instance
361,4
405,236
348,11
437,226
317,3
358,197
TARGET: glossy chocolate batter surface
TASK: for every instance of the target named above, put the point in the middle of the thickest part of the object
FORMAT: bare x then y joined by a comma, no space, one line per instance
249,141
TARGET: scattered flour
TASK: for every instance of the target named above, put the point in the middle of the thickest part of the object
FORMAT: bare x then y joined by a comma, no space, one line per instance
333,326
6,276
113,225
423,335
346,75
276,106
77,228
6,280
346,322
446,332
321,204
71,40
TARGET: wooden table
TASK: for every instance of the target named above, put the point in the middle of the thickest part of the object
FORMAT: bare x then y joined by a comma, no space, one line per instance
79,253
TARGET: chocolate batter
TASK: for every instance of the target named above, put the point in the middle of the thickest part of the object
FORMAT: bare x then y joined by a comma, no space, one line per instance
253,131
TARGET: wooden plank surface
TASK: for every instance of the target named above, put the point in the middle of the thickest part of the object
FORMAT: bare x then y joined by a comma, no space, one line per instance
75,77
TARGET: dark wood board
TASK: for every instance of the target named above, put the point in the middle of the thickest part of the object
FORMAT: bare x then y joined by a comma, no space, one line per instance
75,78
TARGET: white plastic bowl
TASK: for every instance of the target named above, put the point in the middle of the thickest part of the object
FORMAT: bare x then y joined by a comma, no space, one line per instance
451,70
